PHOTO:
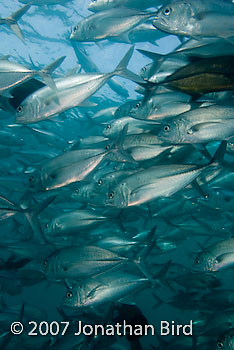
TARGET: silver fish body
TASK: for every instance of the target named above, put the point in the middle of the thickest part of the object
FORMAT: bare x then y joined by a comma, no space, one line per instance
72,222
110,288
150,184
218,256
80,262
202,124
109,23
196,19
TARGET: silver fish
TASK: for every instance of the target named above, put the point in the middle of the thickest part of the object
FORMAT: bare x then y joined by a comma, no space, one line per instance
111,23
196,18
101,290
218,256
152,183
72,222
80,262
199,125
70,92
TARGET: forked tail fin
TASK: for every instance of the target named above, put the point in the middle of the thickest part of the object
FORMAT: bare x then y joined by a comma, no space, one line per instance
11,20
122,70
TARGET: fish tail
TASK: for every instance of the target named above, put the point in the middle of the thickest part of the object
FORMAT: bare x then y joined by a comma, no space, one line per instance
140,261
11,21
122,70
32,218
45,73
42,205
116,149
220,152
159,277
9,206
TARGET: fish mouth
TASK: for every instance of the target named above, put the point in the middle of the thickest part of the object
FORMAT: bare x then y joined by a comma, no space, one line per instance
159,21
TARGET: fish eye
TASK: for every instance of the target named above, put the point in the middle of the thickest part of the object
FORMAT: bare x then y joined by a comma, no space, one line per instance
107,147
47,225
197,261
206,196
20,108
138,105
45,264
77,190
108,126
143,69
31,178
75,29
166,128
69,295
219,345
167,11
100,182
111,195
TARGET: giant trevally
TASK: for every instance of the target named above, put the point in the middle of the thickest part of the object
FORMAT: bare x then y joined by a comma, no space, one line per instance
69,167
108,288
217,256
196,18
77,262
132,125
155,182
70,92
160,106
204,124
107,24
72,222
205,75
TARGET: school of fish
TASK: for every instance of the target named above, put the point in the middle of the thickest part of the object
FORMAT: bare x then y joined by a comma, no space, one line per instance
117,195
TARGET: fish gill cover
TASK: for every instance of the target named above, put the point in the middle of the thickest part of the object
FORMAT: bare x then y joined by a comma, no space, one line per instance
116,153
